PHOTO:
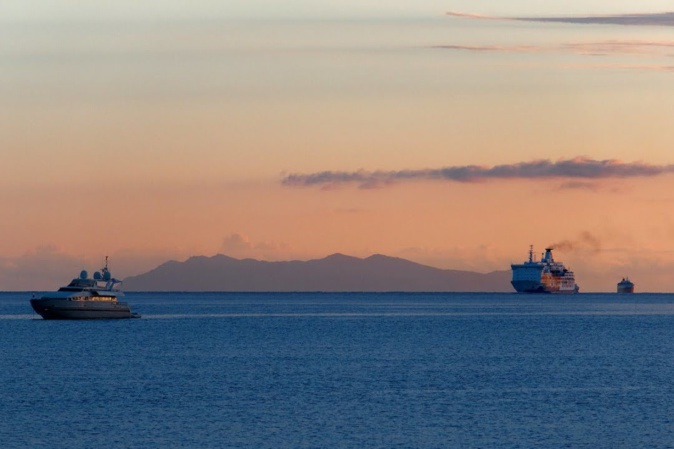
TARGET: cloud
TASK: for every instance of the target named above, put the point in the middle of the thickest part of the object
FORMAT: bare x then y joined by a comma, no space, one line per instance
642,67
235,243
48,267
240,246
496,48
579,185
43,268
663,49
599,48
620,47
579,168
468,15
655,19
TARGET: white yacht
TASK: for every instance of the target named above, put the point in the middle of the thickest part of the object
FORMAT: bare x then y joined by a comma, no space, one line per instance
85,298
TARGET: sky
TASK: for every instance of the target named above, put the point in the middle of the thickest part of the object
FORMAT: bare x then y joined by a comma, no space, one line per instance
451,133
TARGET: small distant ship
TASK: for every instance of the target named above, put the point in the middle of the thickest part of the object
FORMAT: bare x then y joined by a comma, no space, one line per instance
85,298
544,276
625,286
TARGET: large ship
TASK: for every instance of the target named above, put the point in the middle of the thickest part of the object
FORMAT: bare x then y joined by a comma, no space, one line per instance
85,298
543,276
625,286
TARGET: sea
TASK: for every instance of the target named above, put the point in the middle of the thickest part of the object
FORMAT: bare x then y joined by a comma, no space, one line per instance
343,370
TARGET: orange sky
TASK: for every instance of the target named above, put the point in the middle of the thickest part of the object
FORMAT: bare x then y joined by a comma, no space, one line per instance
147,141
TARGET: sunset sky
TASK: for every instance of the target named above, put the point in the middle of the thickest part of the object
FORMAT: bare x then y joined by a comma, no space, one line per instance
452,133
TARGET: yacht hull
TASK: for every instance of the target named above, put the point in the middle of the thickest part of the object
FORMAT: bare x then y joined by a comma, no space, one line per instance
64,309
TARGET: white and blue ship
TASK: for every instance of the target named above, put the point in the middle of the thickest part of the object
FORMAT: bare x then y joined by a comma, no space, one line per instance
543,276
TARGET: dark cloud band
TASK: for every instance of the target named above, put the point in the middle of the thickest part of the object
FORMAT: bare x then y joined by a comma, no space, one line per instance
656,19
577,168
653,19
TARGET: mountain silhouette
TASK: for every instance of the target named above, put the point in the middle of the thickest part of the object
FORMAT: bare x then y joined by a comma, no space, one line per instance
334,273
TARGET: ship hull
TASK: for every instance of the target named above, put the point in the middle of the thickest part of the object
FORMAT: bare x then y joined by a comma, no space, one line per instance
529,287
63,309
537,287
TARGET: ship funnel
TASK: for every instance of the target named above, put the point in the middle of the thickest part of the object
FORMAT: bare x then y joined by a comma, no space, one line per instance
548,255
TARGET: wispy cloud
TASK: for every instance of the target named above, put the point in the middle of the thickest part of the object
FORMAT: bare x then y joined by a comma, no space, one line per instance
653,19
579,168
468,15
239,245
663,49
579,185
45,267
620,47
640,67
497,48
600,48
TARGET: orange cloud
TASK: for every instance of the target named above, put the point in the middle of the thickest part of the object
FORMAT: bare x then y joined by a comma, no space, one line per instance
240,245
467,15
600,48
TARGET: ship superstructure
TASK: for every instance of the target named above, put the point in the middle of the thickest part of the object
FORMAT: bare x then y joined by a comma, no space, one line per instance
543,276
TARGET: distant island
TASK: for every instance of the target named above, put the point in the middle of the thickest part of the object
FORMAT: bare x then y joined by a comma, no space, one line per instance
334,273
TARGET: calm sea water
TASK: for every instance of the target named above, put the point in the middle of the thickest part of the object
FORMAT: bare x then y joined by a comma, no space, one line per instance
343,371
